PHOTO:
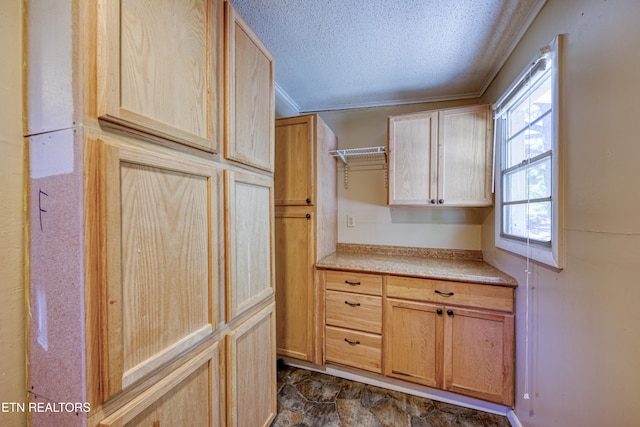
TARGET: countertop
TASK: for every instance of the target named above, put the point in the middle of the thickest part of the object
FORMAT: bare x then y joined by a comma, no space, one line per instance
442,264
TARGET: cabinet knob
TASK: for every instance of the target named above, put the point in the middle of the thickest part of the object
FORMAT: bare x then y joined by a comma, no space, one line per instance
308,200
439,311
441,201
308,216
449,312
432,201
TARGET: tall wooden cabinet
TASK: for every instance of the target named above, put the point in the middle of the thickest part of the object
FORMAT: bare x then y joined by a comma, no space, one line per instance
441,157
305,194
151,264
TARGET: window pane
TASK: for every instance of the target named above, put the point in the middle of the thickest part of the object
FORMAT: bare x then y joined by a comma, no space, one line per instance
531,181
538,226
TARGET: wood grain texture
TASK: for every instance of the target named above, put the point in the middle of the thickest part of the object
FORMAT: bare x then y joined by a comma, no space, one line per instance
354,311
294,279
251,382
479,355
159,68
413,342
412,148
465,156
359,350
295,166
250,95
249,248
188,395
347,281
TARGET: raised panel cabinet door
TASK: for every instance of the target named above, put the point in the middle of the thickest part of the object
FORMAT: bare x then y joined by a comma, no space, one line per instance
294,283
189,395
295,161
249,95
478,358
251,384
249,246
465,156
160,68
412,158
153,267
413,342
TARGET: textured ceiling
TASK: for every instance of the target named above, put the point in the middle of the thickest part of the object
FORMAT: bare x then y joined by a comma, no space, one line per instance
337,54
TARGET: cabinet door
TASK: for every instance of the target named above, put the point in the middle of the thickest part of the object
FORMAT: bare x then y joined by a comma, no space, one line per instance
465,156
413,342
294,282
412,158
250,95
189,395
251,383
479,354
152,271
249,248
159,68
295,162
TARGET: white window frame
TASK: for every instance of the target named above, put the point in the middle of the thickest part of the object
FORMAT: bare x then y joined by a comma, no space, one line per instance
550,253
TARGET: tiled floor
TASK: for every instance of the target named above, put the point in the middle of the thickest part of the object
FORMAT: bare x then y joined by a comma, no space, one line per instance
311,399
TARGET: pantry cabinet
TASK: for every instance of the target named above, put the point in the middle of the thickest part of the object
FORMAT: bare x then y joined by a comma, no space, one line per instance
441,157
151,270
305,194
160,69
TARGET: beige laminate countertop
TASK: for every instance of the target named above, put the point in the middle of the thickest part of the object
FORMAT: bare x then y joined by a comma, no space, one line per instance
464,266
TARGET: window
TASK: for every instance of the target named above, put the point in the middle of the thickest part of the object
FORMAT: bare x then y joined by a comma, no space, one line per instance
528,188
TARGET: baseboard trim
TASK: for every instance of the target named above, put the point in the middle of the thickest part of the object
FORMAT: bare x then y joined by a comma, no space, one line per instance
404,387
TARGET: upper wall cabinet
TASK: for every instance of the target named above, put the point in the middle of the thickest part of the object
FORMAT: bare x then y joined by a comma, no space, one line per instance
441,157
249,97
159,68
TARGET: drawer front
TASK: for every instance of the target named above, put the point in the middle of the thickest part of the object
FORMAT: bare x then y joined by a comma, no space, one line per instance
356,349
370,284
489,297
354,311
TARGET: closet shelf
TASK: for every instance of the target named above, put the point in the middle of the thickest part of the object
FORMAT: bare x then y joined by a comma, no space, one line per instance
366,153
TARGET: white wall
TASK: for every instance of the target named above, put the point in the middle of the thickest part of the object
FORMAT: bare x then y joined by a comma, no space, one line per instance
376,223
12,354
584,359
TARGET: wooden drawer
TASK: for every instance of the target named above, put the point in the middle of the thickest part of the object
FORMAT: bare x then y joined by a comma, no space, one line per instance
356,349
354,311
370,284
456,293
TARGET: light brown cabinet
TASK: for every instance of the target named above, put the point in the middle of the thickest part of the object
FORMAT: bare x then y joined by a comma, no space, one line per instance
441,157
160,69
153,272
353,320
305,196
250,102
431,340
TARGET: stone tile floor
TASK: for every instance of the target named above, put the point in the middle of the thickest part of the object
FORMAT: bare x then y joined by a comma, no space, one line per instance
312,399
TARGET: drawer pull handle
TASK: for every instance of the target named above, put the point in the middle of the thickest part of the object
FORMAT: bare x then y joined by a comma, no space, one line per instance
444,294
351,283
352,342
352,304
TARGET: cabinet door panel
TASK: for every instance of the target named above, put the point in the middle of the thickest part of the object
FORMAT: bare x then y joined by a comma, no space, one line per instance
250,95
294,283
156,252
413,342
252,369
159,68
190,395
412,158
249,203
479,355
464,164
295,164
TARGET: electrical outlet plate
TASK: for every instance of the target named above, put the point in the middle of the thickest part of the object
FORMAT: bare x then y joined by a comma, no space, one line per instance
351,221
